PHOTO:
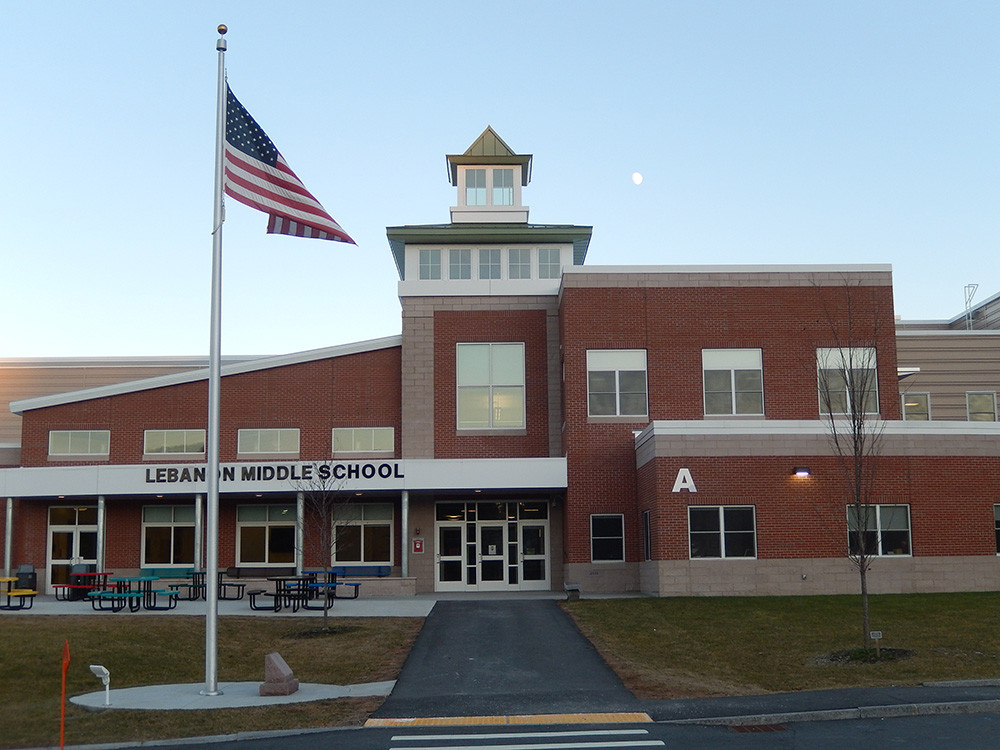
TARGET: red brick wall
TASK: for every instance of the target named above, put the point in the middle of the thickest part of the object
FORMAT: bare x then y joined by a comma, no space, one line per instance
359,390
494,326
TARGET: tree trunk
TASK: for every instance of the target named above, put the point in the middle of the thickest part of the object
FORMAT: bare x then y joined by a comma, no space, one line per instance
865,622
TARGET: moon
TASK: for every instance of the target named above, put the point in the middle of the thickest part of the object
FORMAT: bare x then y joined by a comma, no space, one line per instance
637,178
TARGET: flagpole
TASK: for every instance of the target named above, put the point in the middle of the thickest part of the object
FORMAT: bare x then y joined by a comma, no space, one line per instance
214,391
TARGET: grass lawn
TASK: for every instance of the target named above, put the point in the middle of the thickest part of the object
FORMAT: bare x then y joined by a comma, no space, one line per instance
669,648
141,650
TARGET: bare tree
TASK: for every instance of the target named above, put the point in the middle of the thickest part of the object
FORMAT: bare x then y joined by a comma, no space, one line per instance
849,402
326,515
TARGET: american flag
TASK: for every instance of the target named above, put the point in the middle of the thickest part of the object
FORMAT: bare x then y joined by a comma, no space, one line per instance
257,175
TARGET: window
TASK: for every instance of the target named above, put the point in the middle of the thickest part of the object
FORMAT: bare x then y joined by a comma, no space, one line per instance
459,264
519,263
607,538
430,264
916,407
616,382
363,439
268,441
363,533
173,441
265,534
647,536
982,406
996,525
549,266
848,382
734,381
722,531
79,442
883,529
490,382
168,535
489,264
475,187
503,187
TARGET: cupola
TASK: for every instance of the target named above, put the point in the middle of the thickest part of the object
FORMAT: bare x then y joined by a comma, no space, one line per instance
489,177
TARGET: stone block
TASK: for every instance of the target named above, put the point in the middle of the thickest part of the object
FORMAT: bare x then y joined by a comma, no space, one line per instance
278,677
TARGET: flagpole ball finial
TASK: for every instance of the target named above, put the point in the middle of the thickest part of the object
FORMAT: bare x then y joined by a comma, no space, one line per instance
222,28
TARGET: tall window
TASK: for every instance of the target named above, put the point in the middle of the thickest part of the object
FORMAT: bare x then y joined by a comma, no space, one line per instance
848,382
489,263
519,263
734,381
268,441
475,187
885,529
490,381
549,266
459,264
996,525
607,537
172,442
647,536
79,442
363,439
916,407
168,535
982,406
363,533
722,531
430,263
503,187
616,382
265,534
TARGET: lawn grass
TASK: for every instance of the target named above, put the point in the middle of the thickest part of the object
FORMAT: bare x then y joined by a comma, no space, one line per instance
668,648
165,650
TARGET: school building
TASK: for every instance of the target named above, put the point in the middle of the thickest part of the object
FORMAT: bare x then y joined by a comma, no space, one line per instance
537,421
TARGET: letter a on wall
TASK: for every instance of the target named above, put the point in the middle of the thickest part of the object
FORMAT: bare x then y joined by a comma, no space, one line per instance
684,481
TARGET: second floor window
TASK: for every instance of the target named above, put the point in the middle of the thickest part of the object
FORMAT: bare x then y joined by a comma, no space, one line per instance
490,380
519,263
848,380
363,439
173,442
489,263
734,381
268,440
982,407
459,264
430,263
916,407
616,383
549,266
79,442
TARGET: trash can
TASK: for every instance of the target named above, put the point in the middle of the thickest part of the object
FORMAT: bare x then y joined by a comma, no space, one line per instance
26,576
76,594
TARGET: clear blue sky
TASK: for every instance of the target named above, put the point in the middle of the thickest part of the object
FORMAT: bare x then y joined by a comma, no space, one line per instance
767,132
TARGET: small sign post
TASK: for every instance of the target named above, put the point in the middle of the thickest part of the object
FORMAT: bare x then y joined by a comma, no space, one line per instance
876,635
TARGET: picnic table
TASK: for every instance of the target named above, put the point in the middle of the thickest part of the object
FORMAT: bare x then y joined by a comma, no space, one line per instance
289,592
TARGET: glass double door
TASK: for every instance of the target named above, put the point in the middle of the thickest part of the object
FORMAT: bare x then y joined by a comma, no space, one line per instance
493,547
72,541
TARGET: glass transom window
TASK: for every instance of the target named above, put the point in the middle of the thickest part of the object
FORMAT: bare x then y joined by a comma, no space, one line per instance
283,440
79,442
616,382
363,439
490,382
173,442
734,381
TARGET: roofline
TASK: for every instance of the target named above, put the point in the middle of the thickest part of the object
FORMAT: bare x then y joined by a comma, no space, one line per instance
236,368
109,361
758,268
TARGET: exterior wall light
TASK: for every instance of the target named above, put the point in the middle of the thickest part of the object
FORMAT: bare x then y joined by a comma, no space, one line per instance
801,471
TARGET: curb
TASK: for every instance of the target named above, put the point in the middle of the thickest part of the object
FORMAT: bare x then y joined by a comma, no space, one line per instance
840,714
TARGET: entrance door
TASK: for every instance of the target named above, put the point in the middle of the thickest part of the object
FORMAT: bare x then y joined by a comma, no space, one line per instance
492,546
72,540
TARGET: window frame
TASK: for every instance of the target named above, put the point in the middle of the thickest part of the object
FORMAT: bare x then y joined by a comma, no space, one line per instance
355,432
269,525
282,432
521,268
602,361
429,264
479,191
728,361
723,533
840,360
353,515
968,405
879,530
493,389
906,412
595,538
103,445
187,434
546,264
503,191
460,261
174,524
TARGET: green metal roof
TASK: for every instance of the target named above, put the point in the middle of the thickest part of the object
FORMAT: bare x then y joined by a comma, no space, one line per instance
489,148
487,234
